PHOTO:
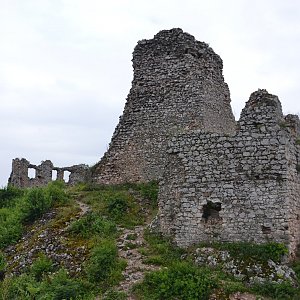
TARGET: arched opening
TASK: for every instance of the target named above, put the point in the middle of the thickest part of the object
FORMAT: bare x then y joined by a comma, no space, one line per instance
31,173
54,175
67,176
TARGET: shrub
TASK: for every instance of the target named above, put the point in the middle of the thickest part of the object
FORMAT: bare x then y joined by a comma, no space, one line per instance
37,201
10,227
149,191
2,266
92,224
41,266
61,287
296,268
181,281
8,195
56,192
23,287
103,265
280,291
262,252
117,208
20,206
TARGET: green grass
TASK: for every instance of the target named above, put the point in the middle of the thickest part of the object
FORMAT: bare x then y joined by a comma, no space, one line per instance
9,195
21,207
160,250
255,252
104,267
114,207
277,291
114,295
57,286
181,280
41,266
119,203
93,224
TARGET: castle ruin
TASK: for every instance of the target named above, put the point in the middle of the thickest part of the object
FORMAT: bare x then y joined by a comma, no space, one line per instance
241,187
220,180
19,176
177,86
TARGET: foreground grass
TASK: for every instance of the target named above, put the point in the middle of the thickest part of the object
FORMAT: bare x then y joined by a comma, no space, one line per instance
110,208
180,279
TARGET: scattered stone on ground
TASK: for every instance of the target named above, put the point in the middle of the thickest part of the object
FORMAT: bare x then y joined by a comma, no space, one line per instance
128,244
248,271
41,237
244,296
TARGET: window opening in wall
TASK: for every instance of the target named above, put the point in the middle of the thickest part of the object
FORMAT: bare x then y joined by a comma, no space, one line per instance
211,210
31,173
54,175
67,176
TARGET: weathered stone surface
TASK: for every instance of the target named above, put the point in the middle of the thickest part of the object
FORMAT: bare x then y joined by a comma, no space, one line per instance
19,175
177,86
243,187
250,271
220,180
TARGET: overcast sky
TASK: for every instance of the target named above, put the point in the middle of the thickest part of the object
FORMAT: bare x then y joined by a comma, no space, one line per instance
65,65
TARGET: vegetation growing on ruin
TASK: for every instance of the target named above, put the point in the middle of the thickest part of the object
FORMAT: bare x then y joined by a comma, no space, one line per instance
255,252
109,210
96,230
21,207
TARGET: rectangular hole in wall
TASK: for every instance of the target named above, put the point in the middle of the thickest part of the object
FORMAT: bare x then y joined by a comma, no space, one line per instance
54,175
31,173
211,211
66,176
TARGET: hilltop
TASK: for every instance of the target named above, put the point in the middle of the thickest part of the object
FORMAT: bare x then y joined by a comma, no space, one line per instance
94,242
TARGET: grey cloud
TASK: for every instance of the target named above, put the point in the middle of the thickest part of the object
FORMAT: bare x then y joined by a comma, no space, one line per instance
65,66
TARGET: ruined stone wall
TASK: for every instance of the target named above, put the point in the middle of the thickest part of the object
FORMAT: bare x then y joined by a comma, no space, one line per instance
43,173
177,86
292,125
243,187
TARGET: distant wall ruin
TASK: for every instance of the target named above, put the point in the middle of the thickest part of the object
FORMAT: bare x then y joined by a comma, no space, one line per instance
177,86
44,173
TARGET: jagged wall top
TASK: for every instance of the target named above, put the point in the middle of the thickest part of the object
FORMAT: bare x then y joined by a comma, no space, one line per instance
177,86
241,187
176,43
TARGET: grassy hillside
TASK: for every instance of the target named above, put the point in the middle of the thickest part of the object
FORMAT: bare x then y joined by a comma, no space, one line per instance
92,242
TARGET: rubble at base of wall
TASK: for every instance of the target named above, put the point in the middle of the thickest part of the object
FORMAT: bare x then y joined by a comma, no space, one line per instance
251,271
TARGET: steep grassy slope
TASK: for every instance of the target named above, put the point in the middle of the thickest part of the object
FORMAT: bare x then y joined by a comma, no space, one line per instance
93,242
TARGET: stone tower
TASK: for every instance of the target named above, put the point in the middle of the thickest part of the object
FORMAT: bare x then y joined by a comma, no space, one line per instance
177,86
242,187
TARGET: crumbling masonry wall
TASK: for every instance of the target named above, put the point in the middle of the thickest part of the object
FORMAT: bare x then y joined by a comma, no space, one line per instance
178,86
43,173
220,180
244,187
